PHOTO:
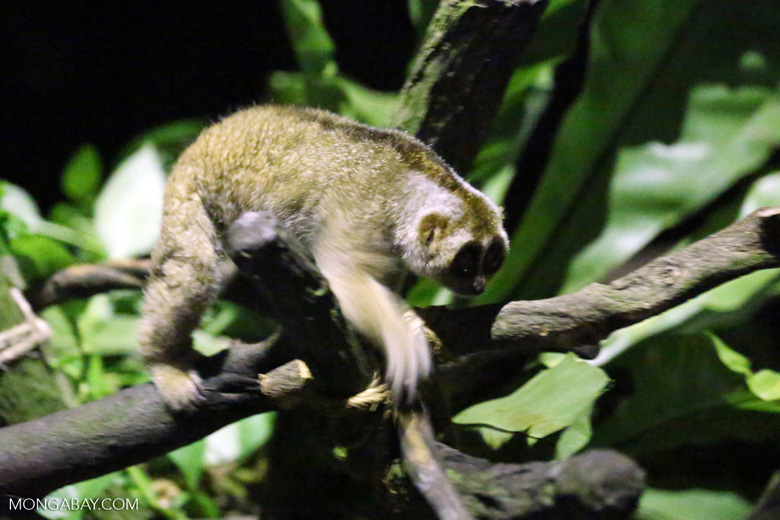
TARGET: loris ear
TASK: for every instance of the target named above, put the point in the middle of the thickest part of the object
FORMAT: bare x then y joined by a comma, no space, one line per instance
432,227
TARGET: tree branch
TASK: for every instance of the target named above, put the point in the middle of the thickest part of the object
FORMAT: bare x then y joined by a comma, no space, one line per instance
129,427
578,321
134,425
459,76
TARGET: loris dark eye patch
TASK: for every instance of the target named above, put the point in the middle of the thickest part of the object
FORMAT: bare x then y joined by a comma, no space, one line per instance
466,262
494,258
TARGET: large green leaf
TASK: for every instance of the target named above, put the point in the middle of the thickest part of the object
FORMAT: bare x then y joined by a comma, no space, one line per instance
622,65
692,504
727,134
39,257
19,203
555,398
635,92
684,394
128,211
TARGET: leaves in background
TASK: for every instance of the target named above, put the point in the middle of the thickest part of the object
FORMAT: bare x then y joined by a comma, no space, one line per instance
658,504
313,47
87,489
39,256
684,394
727,134
635,93
726,304
104,331
621,66
128,211
82,176
420,14
20,204
169,140
553,399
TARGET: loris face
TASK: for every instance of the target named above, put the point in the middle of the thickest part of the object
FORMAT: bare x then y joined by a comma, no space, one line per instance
473,265
459,254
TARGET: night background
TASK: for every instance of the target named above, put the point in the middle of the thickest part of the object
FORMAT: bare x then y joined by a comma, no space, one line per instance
81,72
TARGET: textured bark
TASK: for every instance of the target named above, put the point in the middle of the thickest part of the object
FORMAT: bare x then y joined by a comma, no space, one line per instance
459,76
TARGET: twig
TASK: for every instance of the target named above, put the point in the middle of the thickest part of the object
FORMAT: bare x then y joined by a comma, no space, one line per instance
85,280
768,507
22,338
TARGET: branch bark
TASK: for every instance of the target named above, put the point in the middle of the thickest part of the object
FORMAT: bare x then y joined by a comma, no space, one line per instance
460,74
476,336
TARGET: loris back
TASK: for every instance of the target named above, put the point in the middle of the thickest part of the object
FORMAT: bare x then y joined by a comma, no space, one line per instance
369,204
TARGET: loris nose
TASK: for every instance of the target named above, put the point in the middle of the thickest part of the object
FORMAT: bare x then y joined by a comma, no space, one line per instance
478,286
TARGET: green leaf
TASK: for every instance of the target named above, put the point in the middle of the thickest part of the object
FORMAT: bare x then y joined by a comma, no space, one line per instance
238,440
366,105
691,504
621,67
552,400
169,139
128,211
190,461
727,135
420,14
335,93
683,394
312,45
104,332
576,436
765,192
40,257
81,177
735,361
20,204
557,33
765,384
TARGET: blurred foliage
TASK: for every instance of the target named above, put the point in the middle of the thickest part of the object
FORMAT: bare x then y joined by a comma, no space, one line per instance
673,135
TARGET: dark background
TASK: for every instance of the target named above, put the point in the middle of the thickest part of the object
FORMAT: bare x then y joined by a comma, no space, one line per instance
75,72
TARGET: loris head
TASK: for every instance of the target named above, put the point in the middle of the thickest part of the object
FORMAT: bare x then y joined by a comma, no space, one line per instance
460,241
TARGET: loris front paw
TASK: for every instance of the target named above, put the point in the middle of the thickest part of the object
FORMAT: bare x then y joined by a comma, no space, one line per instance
180,388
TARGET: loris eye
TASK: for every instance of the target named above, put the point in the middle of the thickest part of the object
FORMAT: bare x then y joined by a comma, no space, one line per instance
466,262
494,258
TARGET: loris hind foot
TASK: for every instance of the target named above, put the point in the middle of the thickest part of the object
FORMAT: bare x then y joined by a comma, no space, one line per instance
181,389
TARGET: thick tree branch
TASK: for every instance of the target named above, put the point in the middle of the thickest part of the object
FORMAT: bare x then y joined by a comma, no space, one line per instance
459,76
596,484
131,426
285,276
